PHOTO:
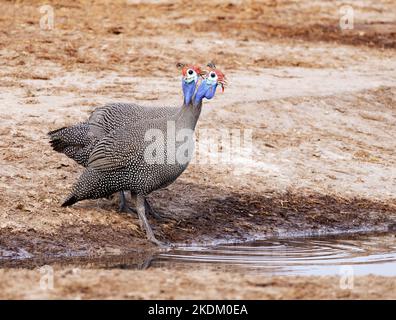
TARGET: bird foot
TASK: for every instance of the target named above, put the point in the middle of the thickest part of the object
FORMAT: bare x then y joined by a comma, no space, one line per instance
126,209
159,243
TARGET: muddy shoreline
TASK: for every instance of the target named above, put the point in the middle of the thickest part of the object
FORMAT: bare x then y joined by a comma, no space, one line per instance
230,218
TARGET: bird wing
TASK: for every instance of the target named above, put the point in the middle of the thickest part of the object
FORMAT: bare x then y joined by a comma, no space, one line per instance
113,152
105,119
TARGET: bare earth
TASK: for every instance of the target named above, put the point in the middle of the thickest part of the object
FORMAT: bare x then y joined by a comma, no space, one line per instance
320,103
169,284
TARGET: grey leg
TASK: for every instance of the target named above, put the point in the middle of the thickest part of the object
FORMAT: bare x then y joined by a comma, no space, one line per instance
134,198
141,210
151,212
147,207
123,203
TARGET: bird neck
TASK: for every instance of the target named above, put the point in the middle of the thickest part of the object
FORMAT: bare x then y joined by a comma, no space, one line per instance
188,116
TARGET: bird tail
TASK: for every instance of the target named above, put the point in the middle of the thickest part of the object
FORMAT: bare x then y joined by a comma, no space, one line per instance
56,141
72,199
73,136
74,141
51,133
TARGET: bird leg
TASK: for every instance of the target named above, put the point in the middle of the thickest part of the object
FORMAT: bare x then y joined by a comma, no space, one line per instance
123,204
148,208
141,210
151,212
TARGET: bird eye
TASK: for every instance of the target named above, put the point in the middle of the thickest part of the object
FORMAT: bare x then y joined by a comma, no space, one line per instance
189,75
213,75
191,72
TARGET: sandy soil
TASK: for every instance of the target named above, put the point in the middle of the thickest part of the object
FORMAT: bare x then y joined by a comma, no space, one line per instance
319,101
71,283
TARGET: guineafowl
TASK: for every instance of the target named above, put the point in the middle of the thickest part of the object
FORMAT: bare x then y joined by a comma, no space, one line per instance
146,156
78,141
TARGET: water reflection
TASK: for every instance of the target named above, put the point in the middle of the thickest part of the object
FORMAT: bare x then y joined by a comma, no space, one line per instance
330,255
303,256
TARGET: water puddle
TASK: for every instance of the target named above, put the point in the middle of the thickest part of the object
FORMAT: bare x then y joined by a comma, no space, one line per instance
358,254
363,254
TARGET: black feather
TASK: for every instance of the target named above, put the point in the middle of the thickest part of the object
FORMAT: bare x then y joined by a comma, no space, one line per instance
72,199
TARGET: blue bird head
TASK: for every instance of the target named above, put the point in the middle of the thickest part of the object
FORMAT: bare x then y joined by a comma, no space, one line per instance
191,74
208,86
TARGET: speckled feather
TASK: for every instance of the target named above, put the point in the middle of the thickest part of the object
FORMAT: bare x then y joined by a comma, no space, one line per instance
78,141
117,161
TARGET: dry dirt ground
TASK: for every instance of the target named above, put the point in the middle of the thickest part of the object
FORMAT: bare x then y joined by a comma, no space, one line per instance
319,102
170,284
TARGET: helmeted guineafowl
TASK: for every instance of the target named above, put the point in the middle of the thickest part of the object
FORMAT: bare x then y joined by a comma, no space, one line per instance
78,141
146,156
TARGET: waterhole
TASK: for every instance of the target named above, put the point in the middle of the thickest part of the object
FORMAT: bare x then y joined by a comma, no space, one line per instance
360,255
